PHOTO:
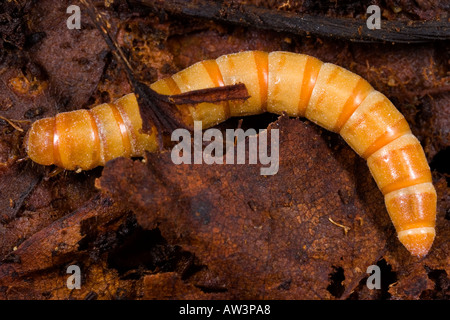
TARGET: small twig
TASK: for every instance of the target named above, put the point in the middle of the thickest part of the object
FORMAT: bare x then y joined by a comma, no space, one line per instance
346,229
211,95
11,123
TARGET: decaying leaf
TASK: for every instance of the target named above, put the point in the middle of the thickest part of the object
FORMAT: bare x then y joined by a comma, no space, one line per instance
265,236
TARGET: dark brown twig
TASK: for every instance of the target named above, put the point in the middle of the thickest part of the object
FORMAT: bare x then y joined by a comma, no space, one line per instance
211,95
284,21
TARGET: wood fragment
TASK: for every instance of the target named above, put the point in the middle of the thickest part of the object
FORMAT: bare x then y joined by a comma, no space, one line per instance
323,26
211,95
12,124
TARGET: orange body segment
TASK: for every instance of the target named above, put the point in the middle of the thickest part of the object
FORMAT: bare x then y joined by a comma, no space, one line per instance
417,208
76,142
399,164
374,117
360,92
129,110
200,76
122,129
85,139
393,132
279,82
248,68
311,72
216,76
333,97
291,78
112,141
262,67
412,211
96,156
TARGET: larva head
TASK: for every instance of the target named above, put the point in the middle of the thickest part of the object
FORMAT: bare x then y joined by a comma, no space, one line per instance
38,142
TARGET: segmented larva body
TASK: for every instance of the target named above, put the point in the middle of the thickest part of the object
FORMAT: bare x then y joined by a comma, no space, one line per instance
277,82
85,139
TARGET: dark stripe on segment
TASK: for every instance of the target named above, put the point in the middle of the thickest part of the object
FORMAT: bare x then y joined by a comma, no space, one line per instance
262,67
359,93
97,150
123,129
129,126
216,77
172,85
396,131
397,185
310,74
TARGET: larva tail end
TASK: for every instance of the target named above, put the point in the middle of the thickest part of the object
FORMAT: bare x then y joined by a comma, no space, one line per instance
418,241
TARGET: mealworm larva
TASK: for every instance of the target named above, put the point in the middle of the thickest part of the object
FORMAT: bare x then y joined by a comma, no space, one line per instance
85,139
277,82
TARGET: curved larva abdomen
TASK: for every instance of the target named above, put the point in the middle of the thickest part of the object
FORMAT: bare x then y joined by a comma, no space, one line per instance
85,139
278,82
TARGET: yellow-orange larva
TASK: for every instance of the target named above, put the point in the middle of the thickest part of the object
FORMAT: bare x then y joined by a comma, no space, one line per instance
85,139
278,82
